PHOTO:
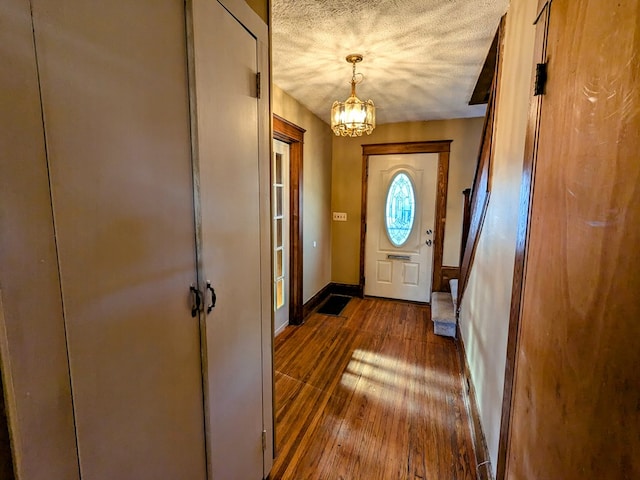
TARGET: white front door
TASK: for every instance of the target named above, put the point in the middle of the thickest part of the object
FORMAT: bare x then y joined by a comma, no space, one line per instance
226,59
280,228
401,196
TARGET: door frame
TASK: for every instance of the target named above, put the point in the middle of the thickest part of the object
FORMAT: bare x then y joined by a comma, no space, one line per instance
292,134
443,149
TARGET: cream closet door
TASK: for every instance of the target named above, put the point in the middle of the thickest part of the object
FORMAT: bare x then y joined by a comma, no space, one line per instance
226,59
401,196
116,114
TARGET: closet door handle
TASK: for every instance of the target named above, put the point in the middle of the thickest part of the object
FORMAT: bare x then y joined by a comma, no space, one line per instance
213,297
197,300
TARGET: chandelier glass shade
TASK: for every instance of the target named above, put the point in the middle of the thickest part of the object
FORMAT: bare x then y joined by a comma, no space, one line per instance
353,117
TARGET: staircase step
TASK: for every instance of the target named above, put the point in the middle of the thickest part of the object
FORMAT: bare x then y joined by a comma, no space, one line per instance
443,314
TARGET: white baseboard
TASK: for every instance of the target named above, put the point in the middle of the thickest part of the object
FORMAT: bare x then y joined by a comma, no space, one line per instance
280,329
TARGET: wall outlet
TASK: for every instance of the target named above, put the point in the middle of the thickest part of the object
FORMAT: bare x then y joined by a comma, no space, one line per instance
339,216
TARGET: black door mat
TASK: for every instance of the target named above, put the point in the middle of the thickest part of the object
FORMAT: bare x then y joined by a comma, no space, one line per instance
334,305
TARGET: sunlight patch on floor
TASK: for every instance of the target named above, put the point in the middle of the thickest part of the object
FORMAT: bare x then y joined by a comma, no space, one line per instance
382,377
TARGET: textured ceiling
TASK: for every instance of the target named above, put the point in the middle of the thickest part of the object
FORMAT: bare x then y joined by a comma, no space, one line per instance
421,57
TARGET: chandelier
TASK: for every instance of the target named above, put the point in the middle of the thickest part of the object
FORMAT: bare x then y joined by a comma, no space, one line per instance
353,117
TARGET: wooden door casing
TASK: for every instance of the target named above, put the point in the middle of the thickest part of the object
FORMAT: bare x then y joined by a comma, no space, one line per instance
287,132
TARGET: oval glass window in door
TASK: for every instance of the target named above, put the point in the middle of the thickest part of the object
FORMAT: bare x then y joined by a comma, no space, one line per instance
400,209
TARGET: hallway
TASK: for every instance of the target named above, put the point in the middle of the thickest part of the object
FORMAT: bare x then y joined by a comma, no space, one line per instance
371,394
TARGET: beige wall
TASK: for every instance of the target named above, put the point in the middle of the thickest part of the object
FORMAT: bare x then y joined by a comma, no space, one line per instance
485,307
347,185
316,191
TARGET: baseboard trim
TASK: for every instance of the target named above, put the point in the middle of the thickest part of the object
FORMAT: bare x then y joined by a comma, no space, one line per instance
483,461
316,300
280,330
346,289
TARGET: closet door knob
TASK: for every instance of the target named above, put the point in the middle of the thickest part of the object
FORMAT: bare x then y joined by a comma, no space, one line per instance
213,297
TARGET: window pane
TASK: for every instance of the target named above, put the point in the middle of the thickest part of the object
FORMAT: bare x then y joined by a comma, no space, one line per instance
278,168
279,294
278,233
279,264
279,194
400,209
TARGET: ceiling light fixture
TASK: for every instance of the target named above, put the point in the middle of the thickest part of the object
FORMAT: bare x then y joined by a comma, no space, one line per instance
353,117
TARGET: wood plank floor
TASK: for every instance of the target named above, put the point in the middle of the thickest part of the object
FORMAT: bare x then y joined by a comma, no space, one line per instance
372,394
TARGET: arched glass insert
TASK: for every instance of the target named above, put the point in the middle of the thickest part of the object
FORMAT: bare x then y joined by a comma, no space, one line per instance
400,209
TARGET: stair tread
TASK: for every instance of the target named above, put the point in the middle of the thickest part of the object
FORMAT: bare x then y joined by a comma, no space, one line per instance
442,309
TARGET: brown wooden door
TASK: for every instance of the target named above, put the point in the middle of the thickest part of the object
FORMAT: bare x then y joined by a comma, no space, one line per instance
575,406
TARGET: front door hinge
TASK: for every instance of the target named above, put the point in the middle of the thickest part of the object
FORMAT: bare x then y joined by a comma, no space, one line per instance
264,440
541,79
258,88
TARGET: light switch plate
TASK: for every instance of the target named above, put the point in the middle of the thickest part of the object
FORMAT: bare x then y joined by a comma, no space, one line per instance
339,216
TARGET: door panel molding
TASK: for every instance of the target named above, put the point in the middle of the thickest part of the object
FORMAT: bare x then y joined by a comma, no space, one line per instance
443,148
288,132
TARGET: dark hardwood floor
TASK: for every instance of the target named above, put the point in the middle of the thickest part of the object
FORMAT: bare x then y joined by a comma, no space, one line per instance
372,394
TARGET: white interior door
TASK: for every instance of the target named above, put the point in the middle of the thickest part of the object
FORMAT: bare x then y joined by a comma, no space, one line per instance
226,59
401,196
116,115
280,229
